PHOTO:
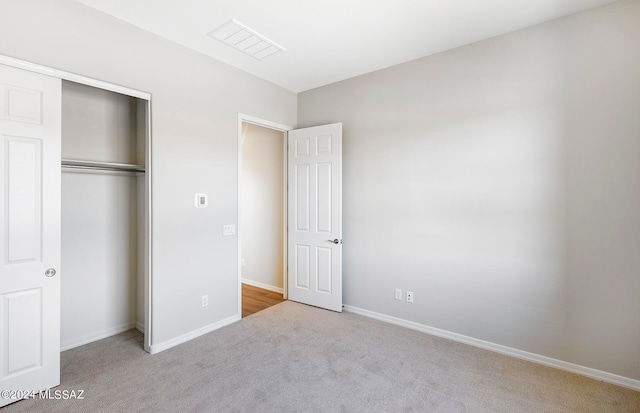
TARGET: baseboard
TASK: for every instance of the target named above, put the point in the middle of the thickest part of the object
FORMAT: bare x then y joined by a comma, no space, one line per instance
509,351
140,326
157,348
262,285
86,339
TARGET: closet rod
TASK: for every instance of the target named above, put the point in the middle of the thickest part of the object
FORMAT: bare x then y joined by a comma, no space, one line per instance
106,166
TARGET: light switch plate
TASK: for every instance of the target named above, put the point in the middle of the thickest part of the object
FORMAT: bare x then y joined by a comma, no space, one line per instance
201,200
228,229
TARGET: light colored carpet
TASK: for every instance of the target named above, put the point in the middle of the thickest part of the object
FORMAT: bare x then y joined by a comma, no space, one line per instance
295,358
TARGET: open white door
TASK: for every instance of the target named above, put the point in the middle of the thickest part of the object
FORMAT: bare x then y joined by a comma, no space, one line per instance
315,216
30,118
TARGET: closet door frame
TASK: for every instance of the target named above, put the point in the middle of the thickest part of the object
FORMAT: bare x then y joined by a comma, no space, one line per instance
148,276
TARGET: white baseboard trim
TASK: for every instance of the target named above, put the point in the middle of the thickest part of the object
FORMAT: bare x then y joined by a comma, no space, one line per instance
157,348
140,326
509,351
90,338
262,285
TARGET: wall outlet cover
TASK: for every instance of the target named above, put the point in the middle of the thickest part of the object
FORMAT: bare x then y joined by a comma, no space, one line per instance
398,294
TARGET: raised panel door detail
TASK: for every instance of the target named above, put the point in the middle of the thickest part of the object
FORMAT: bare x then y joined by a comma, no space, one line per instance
323,271
303,267
22,105
23,197
315,205
323,197
302,147
324,145
302,198
30,118
21,324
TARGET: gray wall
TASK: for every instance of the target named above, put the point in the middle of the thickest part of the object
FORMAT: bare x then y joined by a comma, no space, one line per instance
194,124
499,183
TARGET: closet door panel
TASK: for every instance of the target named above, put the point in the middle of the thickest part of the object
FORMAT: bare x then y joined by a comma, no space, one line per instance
29,231
24,195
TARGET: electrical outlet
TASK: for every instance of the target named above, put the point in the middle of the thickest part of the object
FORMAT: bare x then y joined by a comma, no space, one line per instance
205,300
398,294
409,296
243,263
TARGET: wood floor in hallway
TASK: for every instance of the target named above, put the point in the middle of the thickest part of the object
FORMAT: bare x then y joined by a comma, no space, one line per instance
256,299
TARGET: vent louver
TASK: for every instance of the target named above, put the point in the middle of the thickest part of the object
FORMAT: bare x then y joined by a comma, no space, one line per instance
239,36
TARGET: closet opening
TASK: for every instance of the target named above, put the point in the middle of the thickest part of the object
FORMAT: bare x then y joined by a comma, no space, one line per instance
105,214
262,215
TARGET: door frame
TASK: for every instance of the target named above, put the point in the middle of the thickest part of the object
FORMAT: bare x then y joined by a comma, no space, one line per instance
148,273
244,118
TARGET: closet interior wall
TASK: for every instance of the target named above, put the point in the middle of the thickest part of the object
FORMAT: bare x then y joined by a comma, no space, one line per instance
103,215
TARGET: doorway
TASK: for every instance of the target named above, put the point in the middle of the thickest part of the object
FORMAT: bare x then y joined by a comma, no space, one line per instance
262,214
104,211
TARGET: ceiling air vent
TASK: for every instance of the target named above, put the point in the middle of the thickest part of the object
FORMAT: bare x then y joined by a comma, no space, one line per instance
240,37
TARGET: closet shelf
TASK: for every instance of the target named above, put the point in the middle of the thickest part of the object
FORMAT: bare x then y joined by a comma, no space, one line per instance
105,166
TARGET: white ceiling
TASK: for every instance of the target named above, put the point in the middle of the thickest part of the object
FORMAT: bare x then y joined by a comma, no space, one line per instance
332,40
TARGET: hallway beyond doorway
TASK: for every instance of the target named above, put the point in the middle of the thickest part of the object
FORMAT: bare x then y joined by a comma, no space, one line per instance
256,299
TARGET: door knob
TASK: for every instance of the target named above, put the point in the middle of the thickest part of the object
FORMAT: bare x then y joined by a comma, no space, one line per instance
50,272
335,241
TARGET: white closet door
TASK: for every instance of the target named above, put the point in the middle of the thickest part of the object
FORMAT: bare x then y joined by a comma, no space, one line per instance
30,232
